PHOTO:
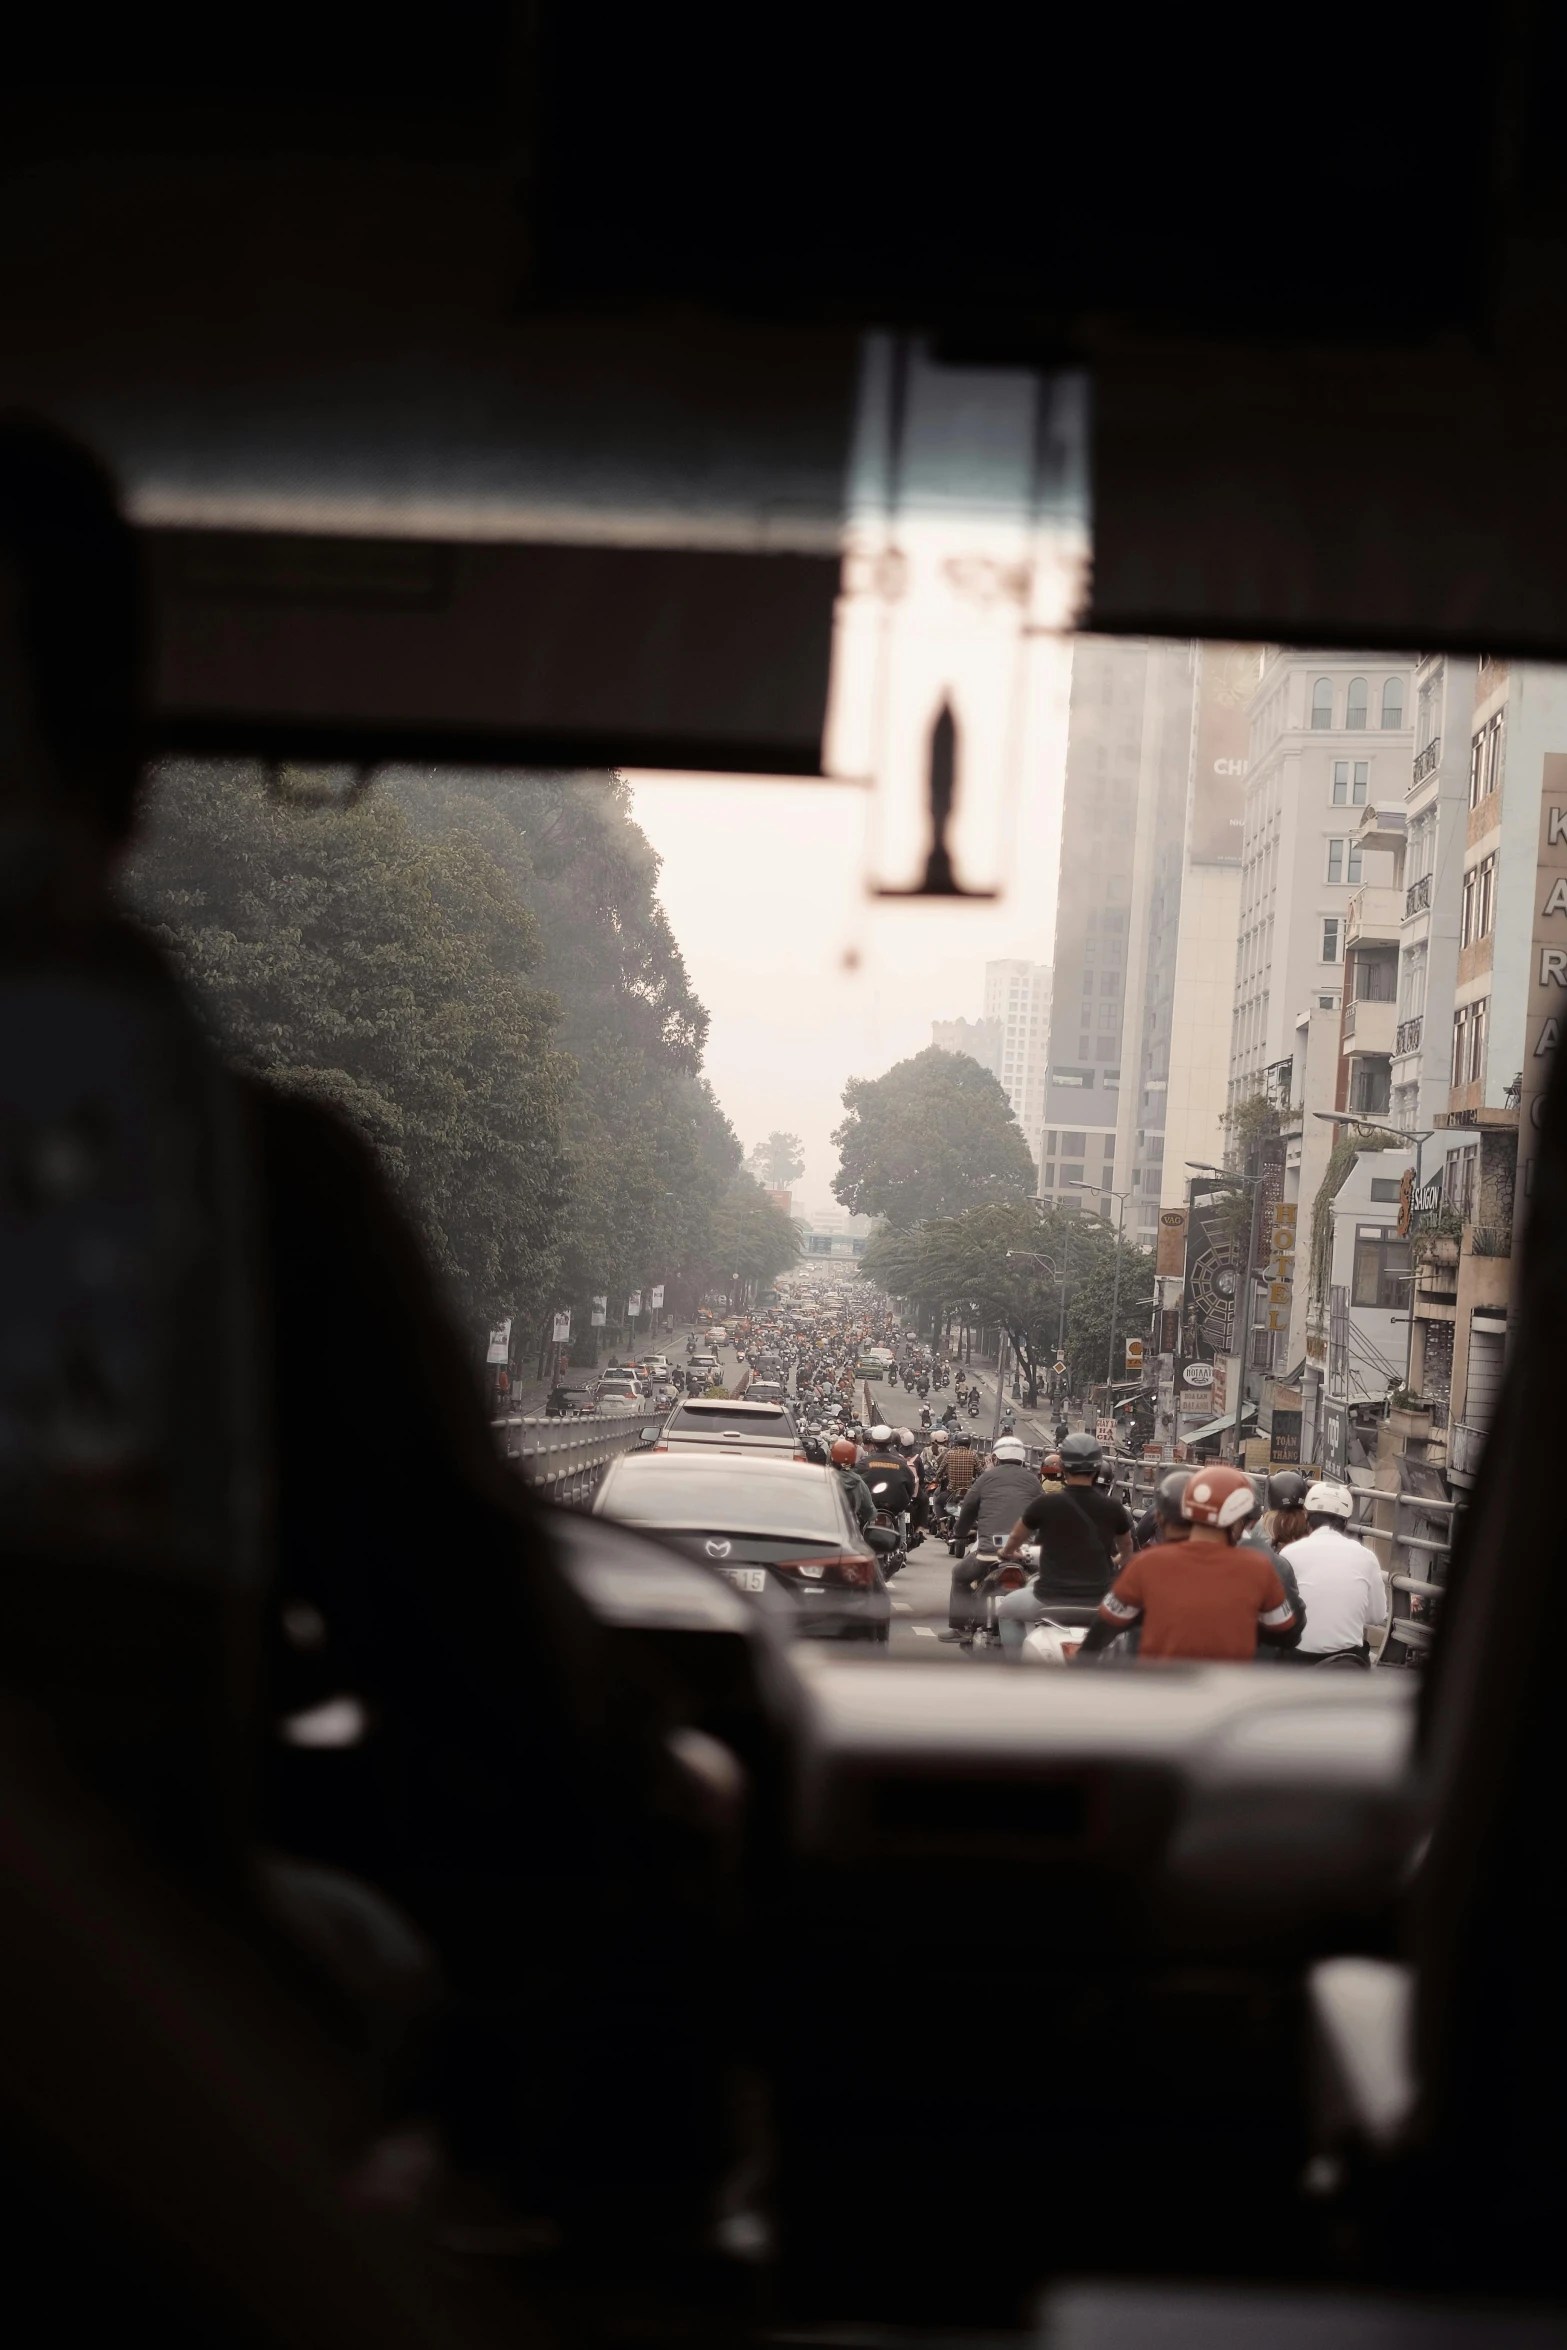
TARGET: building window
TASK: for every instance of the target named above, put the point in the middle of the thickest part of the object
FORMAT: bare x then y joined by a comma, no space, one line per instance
1469,1028
1486,752
1322,702
1332,939
1485,896
1072,1173
1356,703
1050,1144
1351,782
1050,1178
1381,1273
1109,982
1073,1146
1344,861
1458,1181
1376,978
1393,702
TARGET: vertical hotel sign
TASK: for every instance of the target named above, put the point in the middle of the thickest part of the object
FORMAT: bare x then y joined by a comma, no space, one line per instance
1546,1007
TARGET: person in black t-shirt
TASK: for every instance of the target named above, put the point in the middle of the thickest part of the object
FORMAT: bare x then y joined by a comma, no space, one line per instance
1084,1537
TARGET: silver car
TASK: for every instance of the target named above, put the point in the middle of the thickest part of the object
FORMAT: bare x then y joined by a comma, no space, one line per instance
728,1423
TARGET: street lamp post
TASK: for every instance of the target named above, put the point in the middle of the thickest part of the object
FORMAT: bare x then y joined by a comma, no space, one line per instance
1120,1198
1248,1184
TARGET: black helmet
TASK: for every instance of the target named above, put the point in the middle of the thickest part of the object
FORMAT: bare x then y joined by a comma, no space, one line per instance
1172,1489
1081,1455
1286,1491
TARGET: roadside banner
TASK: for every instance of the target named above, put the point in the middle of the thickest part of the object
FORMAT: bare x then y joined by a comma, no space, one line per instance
655,1298
563,1326
600,1313
1105,1431
500,1343
633,1305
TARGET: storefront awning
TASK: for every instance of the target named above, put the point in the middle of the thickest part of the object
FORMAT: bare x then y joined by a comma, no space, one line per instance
1216,1427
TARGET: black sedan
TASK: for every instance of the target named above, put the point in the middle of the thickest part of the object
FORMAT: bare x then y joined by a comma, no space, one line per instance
778,1529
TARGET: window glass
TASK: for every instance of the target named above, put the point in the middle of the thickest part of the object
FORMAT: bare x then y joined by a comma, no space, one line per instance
1322,702
1341,783
1393,702
1331,947
1356,702
1336,860
1353,862
1362,782
1381,1272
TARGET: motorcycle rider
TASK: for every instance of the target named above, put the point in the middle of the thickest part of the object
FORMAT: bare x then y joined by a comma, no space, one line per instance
961,1465
1210,1597
991,1505
1339,1579
884,1464
1286,1501
855,1490
1083,1535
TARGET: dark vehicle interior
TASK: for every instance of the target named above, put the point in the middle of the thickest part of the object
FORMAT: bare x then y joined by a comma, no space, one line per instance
479,383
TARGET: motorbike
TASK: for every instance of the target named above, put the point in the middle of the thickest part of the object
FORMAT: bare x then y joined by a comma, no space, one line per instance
1001,1575
972,1400
1058,1637
896,1522
925,1415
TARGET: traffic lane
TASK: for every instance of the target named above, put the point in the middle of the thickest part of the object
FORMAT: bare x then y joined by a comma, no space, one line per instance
919,1606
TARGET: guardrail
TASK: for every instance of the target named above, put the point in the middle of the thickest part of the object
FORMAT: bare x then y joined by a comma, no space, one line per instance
1417,896
1426,760
564,1459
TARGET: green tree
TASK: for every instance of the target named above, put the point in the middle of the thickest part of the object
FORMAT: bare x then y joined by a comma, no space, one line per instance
339,955
932,1137
780,1160
1003,1266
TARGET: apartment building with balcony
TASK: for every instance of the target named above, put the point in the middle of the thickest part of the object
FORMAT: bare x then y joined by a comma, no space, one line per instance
1331,738
1436,815
1500,1029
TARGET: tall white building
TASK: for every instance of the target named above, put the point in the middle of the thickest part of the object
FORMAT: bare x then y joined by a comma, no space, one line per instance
1331,736
1017,1002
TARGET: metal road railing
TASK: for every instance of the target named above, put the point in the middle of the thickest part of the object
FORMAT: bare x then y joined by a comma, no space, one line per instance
564,1459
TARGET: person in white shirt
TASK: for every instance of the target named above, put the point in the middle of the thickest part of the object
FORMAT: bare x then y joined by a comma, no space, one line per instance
1340,1580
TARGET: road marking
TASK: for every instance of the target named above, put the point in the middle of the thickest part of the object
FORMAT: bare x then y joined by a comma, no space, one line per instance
924,1632
902,1605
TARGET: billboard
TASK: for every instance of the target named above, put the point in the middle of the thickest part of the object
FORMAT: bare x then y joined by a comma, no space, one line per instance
1213,1271
1226,675
1171,1257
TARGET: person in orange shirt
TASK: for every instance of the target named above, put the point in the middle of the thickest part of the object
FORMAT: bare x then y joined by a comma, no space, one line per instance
1205,1599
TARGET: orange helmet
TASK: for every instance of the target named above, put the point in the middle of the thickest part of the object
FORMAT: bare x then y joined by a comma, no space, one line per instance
845,1453
1219,1496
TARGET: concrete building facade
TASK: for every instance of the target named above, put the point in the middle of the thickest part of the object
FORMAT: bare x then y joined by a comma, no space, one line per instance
1330,736
1017,1009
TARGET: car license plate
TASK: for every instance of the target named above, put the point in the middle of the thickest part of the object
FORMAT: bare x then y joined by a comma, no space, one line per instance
747,1578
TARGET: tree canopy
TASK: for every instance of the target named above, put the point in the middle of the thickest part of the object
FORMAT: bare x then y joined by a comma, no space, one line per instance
933,1137
1002,1266
780,1160
476,971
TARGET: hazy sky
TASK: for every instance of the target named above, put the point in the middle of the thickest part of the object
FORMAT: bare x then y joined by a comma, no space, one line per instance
809,980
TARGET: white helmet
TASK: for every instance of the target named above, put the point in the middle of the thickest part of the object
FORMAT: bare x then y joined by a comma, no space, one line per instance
1329,1501
1010,1448
881,1434
938,1436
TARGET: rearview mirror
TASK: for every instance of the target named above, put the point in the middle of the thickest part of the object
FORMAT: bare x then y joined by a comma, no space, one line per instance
650,1433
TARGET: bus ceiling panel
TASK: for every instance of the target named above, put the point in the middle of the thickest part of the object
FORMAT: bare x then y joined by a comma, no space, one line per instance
1306,495
375,650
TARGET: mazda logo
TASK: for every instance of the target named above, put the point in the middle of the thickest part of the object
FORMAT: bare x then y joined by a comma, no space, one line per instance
719,1550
